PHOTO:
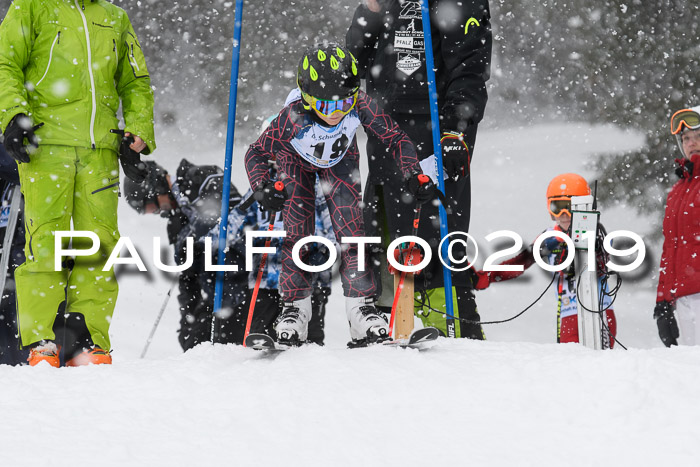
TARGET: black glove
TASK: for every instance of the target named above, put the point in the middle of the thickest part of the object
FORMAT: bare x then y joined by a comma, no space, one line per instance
422,188
130,159
271,196
19,128
176,222
455,155
666,322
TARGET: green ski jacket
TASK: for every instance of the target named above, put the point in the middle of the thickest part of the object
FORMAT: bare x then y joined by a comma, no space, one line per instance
67,64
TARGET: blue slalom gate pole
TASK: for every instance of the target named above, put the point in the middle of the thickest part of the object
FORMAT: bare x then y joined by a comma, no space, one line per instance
233,95
435,119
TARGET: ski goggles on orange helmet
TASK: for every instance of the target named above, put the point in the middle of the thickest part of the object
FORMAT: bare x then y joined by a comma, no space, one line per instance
329,107
559,206
688,118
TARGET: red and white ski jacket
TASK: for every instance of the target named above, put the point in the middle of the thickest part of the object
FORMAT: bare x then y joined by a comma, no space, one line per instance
679,272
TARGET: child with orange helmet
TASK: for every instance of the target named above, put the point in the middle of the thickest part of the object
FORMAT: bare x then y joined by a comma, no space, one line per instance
559,193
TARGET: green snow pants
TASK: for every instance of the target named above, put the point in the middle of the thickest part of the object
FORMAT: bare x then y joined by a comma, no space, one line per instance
60,184
432,307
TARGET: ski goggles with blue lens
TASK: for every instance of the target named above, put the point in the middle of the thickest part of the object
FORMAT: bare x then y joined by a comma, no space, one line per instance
690,118
329,107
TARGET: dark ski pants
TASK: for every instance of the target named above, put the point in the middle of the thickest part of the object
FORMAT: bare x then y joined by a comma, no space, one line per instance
387,210
230,329
388,215
319,300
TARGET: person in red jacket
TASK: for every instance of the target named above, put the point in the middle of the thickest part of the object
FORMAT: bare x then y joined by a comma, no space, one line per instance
559,193
677,310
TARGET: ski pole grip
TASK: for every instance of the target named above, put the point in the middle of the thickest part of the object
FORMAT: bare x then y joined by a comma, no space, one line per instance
279,186
423,179
129,139
247,203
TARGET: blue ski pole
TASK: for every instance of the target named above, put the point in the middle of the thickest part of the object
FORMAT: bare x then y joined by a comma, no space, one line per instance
231,126
437,147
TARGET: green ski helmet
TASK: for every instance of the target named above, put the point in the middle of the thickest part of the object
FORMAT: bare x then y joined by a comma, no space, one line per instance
328,72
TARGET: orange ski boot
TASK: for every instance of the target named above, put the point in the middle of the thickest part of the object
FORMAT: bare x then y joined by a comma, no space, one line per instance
47,352
93,356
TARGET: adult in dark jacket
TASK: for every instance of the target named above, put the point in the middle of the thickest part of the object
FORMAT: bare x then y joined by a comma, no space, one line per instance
386,37
677,310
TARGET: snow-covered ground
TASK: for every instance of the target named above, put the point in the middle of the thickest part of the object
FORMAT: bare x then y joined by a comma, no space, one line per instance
517,399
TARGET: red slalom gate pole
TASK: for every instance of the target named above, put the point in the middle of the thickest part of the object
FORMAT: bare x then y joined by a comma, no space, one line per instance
279,186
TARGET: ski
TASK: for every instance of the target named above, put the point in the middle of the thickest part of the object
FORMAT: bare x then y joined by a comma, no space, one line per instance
417,339
263,342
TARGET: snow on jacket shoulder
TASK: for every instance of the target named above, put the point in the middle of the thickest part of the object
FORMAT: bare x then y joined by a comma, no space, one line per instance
679,272
48,72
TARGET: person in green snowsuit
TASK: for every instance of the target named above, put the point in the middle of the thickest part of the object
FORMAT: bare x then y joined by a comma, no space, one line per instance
65,65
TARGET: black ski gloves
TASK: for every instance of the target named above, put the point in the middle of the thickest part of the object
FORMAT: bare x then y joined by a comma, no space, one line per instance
271,196
177,221
130,159
422,188
666,322
455,155
19,129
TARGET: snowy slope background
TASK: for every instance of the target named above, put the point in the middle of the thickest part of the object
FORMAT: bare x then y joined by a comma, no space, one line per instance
517,399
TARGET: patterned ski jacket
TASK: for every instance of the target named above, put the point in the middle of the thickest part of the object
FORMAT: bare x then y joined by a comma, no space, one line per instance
67,64
391,45
293,132
679,271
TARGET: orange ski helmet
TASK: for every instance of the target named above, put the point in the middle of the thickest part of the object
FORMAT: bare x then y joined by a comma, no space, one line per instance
561,189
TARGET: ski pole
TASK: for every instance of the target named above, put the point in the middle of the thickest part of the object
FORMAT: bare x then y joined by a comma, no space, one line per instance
435,119
16,200
409,260
233,94
160,315
279,186
247,203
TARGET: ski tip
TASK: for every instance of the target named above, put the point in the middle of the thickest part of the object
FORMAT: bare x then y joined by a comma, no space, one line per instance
420,336
260,342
